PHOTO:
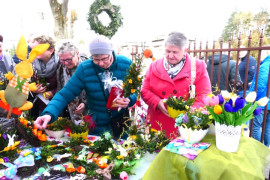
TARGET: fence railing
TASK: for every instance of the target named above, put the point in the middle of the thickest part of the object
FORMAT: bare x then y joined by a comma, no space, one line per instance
204,53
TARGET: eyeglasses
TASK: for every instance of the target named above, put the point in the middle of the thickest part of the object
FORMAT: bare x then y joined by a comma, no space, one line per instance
66,60
96,61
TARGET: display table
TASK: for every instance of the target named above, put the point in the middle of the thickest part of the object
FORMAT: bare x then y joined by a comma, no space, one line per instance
249,162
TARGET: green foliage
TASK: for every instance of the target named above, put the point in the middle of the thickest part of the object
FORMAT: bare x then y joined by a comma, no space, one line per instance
179,103
59,124
98,7
133,81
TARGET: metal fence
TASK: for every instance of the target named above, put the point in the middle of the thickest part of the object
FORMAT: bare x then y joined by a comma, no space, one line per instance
197,50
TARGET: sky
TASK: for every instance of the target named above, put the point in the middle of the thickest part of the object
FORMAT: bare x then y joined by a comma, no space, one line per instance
143,20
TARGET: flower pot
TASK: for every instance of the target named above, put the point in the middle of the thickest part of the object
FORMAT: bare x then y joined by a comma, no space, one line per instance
77,135
192,136
174,113
227,137
55,134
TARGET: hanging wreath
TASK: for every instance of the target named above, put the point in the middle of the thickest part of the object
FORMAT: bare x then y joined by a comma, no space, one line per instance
100,6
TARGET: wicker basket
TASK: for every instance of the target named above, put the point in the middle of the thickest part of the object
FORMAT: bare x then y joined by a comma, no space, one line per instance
7,124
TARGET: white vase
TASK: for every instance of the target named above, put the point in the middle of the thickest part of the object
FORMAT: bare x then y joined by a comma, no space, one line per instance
192,136
227,137
55,134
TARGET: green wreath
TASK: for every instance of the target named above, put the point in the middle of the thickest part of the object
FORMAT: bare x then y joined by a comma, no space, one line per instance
113,11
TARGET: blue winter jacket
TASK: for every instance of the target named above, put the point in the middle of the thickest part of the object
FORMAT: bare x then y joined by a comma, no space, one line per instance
251,68
262,80
85,77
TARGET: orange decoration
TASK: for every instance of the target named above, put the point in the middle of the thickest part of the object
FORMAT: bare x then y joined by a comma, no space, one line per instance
70,168
34,131
81,169
43,137
103,165
39,133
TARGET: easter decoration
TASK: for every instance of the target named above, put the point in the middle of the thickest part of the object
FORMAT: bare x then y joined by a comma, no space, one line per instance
14,97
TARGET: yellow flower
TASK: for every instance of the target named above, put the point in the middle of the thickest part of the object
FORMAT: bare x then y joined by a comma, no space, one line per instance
251,97
124,84
263,101
139,79
154,130
1,82
0,135
49,159
132,90
120,157
130,81
217,109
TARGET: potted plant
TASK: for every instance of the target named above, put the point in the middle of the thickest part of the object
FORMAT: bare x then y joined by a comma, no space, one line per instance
229,114
57,128
81,126
193,125
178,105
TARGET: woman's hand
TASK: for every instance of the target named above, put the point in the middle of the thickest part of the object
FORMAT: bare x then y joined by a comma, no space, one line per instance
122,102
42,121
80,108
40,89
162,108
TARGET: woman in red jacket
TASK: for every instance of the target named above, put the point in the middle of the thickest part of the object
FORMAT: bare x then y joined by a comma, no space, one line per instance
171,76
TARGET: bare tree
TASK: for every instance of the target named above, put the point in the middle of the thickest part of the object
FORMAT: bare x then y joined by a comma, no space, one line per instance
59,11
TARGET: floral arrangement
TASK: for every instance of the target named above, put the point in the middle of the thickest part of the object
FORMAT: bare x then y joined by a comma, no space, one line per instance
133,80
179,103
230,109
194,119
59,124
29,132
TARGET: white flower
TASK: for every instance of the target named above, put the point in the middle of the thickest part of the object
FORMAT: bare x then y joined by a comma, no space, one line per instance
251,97
137,156
263,101
226,95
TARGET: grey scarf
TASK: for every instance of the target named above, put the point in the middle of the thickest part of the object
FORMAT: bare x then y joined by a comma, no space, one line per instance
173,70
46,70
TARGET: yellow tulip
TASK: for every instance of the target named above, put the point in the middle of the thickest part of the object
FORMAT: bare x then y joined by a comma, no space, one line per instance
263,101
217,109
130,81
251,97
132,90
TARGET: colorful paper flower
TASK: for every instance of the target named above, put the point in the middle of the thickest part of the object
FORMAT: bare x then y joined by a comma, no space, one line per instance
239,104
251,97
257,111
124,175
217,109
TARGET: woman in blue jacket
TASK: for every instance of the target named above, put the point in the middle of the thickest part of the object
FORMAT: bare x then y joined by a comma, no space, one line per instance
88,77
261,92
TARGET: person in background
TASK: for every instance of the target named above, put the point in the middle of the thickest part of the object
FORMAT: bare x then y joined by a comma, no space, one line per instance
232,69
29,48
70,58
89,76
6,64
261,92
1,38
45,69
171,76
252,66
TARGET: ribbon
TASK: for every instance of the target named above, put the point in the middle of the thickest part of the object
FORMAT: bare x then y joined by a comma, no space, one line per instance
187,132
11,170
20,83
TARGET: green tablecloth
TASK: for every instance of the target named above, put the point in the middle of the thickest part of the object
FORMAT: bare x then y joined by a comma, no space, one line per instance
247,163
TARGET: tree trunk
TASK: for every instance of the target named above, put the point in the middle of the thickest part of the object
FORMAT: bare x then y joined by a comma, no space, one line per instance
59,11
